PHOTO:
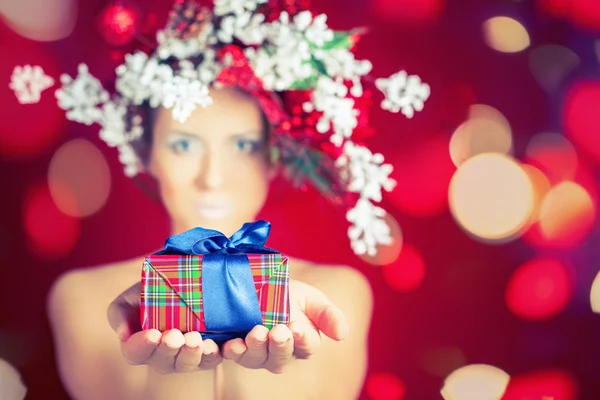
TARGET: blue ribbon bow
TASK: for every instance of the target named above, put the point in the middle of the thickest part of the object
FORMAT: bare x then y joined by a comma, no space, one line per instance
229,296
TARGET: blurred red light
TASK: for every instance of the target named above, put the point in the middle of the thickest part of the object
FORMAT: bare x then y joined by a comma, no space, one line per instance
423,173
581,117
585,13
541,385
118,23
51,233
384,386
408,272
539,289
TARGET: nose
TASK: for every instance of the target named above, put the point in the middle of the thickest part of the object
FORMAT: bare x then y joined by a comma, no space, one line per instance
210,175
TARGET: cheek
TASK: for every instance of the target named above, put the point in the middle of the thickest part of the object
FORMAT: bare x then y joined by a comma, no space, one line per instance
251,184
175,176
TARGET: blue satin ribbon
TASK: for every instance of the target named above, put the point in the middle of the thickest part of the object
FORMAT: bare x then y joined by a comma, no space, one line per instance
229,296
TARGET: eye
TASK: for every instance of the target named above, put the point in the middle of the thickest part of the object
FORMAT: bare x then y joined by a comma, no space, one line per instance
248,146
181,146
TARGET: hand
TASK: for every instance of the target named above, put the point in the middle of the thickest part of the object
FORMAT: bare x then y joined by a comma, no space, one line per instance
166,352
311,313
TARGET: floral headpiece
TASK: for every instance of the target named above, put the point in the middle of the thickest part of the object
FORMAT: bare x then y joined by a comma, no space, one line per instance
303,74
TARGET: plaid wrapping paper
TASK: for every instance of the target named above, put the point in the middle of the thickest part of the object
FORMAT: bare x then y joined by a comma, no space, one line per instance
172,291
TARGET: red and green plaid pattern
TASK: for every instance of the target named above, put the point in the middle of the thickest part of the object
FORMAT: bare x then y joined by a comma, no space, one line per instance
172,291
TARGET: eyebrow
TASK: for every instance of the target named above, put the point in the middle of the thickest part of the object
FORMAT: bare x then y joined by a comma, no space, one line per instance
232,135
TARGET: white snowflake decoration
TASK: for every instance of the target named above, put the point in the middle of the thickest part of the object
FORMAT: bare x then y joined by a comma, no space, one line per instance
368,175
29,82
183,95
368,229
403,93
81,96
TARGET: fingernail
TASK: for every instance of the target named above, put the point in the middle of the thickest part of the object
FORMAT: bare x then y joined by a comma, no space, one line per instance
298,335
153,338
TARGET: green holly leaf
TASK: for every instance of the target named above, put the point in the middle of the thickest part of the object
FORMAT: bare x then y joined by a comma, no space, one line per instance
341,40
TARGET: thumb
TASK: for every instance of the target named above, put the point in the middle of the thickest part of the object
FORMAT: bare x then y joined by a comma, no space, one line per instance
124,312
328,318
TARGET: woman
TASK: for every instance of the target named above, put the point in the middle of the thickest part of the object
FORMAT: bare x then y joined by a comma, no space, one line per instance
213,172
235,90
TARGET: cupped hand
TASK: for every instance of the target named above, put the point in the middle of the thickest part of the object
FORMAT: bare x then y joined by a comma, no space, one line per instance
274,350
166,352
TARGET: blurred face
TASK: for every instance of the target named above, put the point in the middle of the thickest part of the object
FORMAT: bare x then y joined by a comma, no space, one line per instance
213,169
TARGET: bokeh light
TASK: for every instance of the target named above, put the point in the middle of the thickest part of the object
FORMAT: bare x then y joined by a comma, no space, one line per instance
584,13
539,289
441,361
505,34
51,234
422,173
475,382
554,155
550,64
384,386
595,294
409,10
119,22
43,20
491,197
581,117
541,186
567,215
552,384
79,169
387,254
408,272
486,131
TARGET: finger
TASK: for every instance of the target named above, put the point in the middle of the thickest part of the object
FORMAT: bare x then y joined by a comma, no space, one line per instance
257,342
234,349
281,349
138,348
307,339
325,315
211,356
190,355
163,358
123,313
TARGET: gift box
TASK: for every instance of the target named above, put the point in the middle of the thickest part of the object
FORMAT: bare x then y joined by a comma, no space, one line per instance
221,287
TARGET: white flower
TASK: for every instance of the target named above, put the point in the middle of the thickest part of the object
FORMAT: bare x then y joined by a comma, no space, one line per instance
29,82
317,33
338,111
366,173
247,27
237,7
113,130
341,63
130,160
129,75
183,95
368,227
81,96
403,93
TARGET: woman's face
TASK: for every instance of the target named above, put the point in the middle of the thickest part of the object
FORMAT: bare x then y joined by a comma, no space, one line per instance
212,170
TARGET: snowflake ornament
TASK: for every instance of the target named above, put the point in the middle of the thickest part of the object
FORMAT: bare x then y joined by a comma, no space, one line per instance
403,93
29,82
368,229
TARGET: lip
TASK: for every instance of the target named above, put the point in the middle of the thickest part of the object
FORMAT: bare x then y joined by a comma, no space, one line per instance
213,209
